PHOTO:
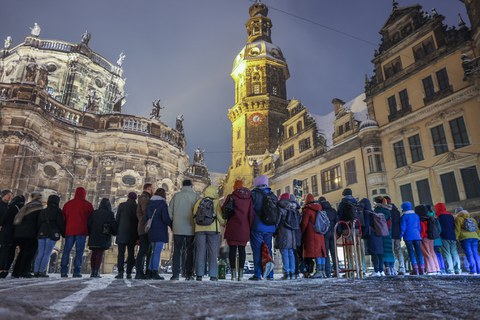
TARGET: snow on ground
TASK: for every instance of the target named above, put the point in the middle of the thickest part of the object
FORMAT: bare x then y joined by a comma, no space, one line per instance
410,297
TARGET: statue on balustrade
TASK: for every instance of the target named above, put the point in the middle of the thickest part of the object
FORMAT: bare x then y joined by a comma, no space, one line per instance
198,156
35,30
92,101
86,37
155,114
31,72
179,123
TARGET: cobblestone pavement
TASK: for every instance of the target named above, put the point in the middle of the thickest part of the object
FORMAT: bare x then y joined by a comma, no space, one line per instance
420,297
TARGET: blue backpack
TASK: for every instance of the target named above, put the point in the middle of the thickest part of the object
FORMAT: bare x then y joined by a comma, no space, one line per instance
322,223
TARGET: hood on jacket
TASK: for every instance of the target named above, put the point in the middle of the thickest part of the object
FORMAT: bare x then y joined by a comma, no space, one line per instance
18,201
309,198
440,208
53,200
242,193
105,205
422,211
365,203
326,205
156,197
406,206
463,213
284,203
313,206
211,192
80,193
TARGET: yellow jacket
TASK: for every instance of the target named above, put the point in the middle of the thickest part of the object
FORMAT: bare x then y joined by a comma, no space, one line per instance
210,192
461,233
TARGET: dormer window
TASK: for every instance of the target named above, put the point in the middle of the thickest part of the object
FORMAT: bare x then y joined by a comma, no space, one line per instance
423,49
299,126
347,126
393,68
290,132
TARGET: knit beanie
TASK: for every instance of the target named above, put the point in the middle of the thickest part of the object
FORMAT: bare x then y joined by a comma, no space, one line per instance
132,196
285,196
406,206
458,210
309,199
238,184
347,192
260,181
5,192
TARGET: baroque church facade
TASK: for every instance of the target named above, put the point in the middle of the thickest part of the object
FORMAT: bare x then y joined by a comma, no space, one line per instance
410,135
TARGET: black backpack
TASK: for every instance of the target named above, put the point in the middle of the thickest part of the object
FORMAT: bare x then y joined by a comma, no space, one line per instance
291,220
350,211
433,232
228,208
205,214
269,211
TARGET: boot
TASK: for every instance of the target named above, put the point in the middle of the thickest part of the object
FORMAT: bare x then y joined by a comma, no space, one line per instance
155,276
285,276
317,274
322,271
290,276
140,275
234,274
129,276
97,274
422,270
119,275
148,274
240,275
414,270
42,275
93,274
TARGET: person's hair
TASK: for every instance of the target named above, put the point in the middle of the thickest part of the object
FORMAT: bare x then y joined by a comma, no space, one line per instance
186,183
146,186
161,192
378,199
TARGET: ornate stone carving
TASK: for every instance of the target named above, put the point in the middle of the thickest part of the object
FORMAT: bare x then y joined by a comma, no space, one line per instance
155,113
35,30
443,115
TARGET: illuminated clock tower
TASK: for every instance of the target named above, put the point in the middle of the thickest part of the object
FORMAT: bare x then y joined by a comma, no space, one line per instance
260,73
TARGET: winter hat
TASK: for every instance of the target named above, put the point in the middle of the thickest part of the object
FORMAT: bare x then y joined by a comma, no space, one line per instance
293,198
458,210
321,199
260,181
421,210
347,192
309,199
285,196
406,206
186,183
5,192
132,196
238,184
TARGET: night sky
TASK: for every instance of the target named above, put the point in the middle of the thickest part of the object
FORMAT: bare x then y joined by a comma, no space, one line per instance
181,51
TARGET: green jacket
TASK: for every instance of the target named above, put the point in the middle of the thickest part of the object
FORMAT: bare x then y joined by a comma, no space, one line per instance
180,210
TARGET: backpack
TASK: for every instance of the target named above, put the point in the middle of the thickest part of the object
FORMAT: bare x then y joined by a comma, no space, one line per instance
433,232
269,212
350,211
291,221
380,224
322,223
205,214
228,208
469,225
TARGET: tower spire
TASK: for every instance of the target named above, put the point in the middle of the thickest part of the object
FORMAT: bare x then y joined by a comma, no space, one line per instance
259,25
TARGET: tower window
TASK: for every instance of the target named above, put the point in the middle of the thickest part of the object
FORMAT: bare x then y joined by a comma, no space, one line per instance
256,89
275,90
347,126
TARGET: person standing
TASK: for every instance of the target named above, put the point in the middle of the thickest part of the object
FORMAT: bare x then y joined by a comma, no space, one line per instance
313,242
449,241
144,244
237,231
285,239
101,227
157,210
410,231
7,246
76,213
330,237
207,235
397,240
467,232
25,235
127,235
51,226
388,256
374,241
180,210
5,198
260,232
428,251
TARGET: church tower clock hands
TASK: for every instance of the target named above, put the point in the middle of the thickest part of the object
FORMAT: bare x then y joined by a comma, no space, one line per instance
260,73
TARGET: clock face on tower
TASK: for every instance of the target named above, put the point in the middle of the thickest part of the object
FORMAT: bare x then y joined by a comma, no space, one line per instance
256,118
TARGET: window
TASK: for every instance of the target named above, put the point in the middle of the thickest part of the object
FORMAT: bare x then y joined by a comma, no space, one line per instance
442,78
423,189
404,102
350,172
314,185
275,90
471,183
371,165
374,192
331,179
406,193
423,49
399,150
392,105
383,191
288,153
439,140
449,185
305,186
256,89
340,130
347,126
299,126
415,148
428,87
375,163
378,162
290,132
304,144
459,133
392,68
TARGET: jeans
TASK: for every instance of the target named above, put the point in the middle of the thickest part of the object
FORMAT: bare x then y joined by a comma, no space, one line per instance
206,241
142,253
398,251
179,242
232,257
414,251
79,242
320,263
449,249
155,258
45,248
330,246
441,261
256,240
288,259
377,261
470,246
121,257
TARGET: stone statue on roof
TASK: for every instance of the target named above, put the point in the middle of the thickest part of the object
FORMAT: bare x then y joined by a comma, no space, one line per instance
179,123
35,30
8,43
198,156
121,58
86,37
92,101
155,114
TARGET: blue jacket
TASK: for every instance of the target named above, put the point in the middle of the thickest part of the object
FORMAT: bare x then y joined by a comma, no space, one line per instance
447,222
410,226
159,229
258,225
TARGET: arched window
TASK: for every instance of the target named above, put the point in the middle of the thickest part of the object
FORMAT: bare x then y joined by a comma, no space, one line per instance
299,126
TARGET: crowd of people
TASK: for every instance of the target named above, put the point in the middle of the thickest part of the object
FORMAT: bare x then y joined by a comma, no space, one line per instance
304,235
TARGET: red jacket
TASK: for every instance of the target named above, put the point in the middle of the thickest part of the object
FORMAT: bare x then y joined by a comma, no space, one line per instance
76,213
313,243
424,226
237,231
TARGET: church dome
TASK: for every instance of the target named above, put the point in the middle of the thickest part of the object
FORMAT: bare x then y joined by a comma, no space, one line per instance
368,123
259,49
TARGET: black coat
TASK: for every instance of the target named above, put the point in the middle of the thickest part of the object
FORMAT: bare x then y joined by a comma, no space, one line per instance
127,222
374,242
395,222
101,227
332,216
28,227
6,220
51,218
